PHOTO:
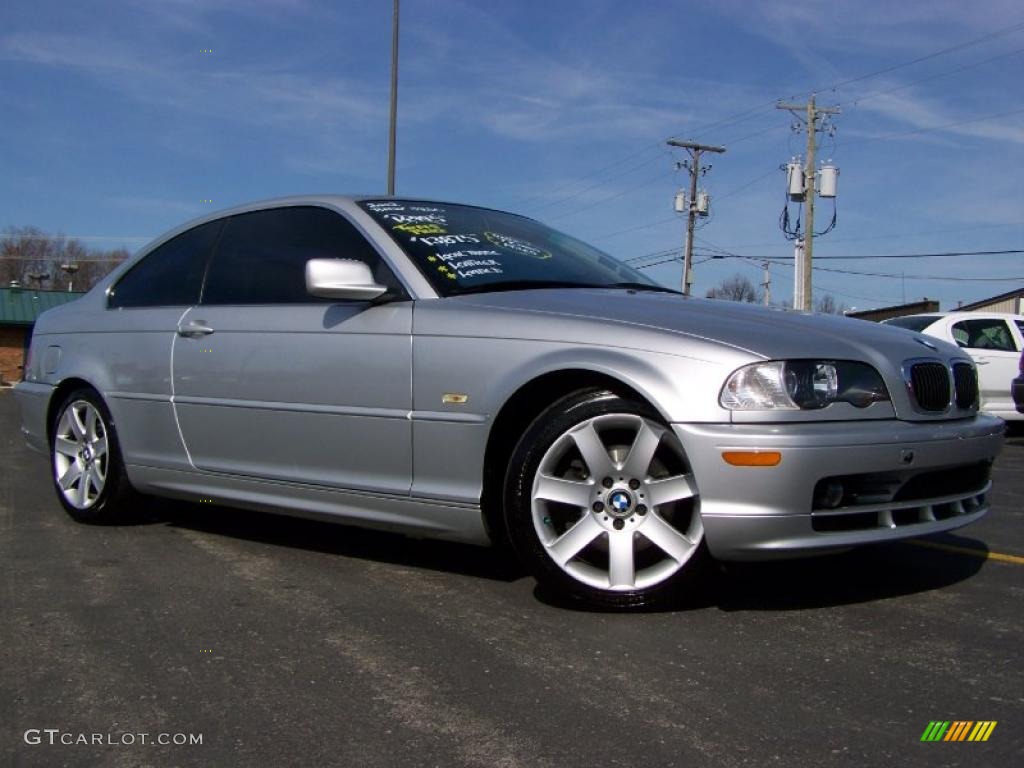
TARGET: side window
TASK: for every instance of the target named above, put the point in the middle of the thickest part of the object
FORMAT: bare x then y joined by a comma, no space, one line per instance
261,257
984,334
169,276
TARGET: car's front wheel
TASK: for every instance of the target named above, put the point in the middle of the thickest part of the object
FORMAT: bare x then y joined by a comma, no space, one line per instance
88,472
601,503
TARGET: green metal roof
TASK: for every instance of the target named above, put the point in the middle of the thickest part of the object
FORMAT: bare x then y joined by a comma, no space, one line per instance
22,306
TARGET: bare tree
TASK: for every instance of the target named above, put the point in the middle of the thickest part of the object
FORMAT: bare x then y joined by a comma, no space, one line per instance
736,288
28,251
828,305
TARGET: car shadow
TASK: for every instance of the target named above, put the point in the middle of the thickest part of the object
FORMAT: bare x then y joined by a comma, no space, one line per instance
338,539
867,574
863,575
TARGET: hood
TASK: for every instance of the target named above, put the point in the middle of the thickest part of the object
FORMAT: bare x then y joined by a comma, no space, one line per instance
762,332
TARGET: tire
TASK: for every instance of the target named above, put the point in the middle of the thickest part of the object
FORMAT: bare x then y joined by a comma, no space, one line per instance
86,464
601,504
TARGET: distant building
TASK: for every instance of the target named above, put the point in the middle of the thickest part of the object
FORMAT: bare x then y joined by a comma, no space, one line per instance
885,313
1012,301
19,310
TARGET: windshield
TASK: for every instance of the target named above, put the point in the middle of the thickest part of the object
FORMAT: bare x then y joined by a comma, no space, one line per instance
463,249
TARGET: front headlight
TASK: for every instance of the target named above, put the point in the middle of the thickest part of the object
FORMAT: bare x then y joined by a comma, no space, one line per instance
802,385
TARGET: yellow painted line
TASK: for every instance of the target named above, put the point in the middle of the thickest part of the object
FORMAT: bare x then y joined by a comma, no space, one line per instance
1003,558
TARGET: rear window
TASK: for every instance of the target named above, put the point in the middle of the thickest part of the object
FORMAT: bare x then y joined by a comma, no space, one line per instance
169,276
911,322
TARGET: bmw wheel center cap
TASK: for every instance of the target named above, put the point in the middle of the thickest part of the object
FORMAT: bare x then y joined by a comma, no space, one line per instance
620,503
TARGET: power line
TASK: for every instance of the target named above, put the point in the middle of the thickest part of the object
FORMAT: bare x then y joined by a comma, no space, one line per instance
894,235
1005,252
891,274
739,117
887,136
752,111
587,176
564,198
724,195
609,198
952,49
920,276
947,73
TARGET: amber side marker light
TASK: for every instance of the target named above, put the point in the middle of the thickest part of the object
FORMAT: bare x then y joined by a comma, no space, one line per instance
752,458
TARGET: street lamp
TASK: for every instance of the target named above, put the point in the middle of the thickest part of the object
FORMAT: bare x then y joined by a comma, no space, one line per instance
70,270
394,101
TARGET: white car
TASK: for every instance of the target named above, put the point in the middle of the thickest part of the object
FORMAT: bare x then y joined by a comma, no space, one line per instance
993,339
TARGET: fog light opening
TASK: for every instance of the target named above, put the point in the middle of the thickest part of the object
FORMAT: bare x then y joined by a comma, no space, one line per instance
829,495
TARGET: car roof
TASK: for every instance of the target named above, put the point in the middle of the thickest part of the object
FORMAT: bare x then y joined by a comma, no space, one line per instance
965,314
336,200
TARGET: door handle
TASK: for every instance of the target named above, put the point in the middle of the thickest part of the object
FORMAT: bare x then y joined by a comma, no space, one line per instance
194,329
982,362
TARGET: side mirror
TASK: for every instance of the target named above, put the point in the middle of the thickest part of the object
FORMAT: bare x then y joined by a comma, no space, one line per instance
341,279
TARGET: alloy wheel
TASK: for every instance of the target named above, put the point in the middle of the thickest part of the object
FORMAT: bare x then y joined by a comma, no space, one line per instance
614,503
80,457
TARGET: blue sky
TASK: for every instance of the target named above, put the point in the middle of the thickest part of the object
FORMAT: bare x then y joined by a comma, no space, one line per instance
117,124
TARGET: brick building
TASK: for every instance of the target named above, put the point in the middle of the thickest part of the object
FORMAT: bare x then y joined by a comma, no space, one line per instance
19,308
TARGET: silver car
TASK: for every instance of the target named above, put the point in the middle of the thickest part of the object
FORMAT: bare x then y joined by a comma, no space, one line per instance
458,372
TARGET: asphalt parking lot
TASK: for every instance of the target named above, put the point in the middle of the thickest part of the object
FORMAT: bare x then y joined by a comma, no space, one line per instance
288,642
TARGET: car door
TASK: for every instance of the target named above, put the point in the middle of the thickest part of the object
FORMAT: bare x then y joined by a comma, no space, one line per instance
135,337
273,383
992,345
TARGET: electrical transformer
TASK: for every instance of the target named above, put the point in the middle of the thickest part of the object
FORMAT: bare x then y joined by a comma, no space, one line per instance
680,202
703,203
828,178
795,180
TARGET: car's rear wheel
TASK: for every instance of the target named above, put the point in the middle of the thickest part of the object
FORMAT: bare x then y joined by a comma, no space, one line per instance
88,472
601,503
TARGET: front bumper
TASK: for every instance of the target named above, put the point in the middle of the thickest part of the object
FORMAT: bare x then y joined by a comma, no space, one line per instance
757,513
33,401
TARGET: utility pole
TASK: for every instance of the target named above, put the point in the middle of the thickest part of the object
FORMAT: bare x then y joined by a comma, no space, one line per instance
767,285
812,125
394,101
695,170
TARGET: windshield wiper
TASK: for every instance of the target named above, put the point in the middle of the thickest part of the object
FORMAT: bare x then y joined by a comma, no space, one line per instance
644,287
524,285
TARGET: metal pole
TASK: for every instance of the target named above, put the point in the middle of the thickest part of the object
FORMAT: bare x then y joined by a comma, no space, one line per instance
394,102
799,286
